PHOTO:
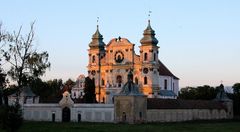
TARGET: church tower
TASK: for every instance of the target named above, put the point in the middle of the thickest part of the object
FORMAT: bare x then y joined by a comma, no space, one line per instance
96,52
150,63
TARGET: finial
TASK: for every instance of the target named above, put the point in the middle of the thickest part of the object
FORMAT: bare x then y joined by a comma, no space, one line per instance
221,81
149,15
97,21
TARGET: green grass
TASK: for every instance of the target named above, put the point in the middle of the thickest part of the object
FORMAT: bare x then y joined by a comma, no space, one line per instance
204,126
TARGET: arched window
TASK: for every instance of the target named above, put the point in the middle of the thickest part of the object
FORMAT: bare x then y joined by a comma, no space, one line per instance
145,56
154,56
145,81
136,80
103,82
119,80
165,84
93,59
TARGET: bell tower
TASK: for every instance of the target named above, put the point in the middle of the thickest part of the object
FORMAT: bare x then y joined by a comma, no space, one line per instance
96,52
149,61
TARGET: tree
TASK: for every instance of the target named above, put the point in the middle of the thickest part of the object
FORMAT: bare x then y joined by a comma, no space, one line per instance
89,91
47,90
2,84
236,98
26,63
68,85
199,93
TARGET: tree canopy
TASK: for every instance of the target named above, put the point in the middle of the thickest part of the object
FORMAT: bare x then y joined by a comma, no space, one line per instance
199,93
89,91
26,63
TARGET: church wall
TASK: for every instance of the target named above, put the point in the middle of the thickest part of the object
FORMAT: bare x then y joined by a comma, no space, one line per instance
169,82
178,115
175,86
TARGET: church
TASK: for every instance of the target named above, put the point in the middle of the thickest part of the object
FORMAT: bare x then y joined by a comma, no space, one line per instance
108,65
130,88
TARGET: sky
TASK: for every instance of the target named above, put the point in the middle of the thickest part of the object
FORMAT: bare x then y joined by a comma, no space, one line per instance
199,40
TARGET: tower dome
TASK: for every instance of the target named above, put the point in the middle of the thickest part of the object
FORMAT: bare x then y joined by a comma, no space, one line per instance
149,36
97,40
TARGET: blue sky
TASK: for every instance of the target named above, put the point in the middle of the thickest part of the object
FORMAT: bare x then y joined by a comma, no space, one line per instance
199,40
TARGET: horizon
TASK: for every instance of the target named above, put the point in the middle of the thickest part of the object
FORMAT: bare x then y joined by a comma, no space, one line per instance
199,41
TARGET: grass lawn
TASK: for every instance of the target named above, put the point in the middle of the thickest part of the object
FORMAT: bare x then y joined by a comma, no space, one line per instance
204,126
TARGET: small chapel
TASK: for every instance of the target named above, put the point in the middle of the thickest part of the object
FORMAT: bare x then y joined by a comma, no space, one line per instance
109,64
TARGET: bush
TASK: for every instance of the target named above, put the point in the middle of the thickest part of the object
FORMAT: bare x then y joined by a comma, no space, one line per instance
11,117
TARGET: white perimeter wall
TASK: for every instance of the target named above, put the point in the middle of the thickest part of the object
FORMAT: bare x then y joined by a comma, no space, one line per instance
177,115
89,112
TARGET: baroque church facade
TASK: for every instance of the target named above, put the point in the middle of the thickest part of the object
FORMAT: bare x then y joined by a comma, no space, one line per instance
109,64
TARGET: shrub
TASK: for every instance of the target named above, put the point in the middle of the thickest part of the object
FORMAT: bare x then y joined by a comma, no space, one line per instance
11,117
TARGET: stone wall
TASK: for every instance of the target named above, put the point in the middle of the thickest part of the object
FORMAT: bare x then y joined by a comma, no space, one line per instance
177,115
87,112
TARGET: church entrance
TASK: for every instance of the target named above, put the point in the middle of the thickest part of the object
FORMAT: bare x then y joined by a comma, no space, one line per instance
66,113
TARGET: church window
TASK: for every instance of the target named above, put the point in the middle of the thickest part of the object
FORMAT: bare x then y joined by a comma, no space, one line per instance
145,56
93,59
154,56
145,80
173,86
165,84
103,82
140,115
136,80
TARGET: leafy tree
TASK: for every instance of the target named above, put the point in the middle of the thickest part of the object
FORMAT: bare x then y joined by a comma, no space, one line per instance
55,86
236,88
89,90
199,93
26,63
49,90
68,85
2,84
40,88
236,98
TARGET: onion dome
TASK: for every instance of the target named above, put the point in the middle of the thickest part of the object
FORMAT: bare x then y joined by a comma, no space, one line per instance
149,36
97,40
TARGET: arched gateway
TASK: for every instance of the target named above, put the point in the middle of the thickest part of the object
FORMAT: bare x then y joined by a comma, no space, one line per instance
66,114
66,103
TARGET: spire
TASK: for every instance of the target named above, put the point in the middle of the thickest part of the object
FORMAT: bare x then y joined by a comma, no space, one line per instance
97,39
149,35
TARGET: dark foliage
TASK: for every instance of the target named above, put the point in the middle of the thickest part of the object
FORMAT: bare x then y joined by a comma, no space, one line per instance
199,93
48,91
236,98
89,91
11,117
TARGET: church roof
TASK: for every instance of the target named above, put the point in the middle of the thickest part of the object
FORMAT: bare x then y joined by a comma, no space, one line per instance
221,95
164,71
167,93
156,103
27,92
130,88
